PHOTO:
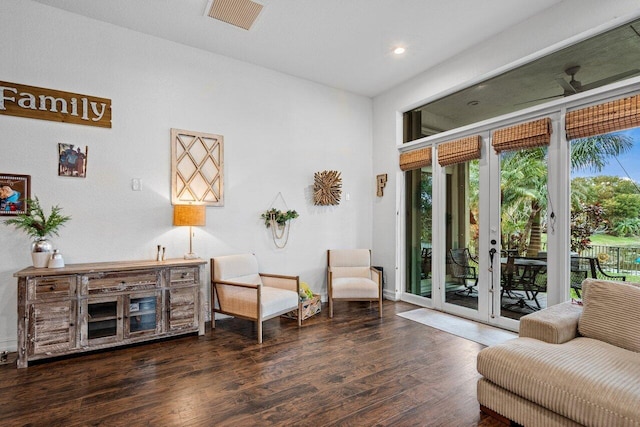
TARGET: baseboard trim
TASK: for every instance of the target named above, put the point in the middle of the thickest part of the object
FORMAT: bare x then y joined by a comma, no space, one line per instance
9,345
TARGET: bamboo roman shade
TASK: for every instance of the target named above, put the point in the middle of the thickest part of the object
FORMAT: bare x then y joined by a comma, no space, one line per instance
526,135
604,118
459,151
415,159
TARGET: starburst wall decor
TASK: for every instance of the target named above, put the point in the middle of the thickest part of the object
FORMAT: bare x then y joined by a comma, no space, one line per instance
327,188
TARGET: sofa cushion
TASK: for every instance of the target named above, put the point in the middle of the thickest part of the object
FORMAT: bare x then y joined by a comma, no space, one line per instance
586,380
611,313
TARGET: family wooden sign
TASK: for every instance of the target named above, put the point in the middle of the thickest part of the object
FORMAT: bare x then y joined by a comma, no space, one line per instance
55,105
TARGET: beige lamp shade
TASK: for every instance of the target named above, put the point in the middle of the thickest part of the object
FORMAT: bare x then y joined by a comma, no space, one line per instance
192,215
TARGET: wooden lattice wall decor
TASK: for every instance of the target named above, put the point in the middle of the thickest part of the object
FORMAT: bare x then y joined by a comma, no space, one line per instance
327,188
197,167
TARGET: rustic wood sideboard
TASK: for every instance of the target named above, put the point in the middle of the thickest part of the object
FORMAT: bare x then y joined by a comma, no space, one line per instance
85,307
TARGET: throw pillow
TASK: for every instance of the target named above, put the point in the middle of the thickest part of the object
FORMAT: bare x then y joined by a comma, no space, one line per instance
611,313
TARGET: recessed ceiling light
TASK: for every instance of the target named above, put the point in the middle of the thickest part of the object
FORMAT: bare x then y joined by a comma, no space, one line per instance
399,50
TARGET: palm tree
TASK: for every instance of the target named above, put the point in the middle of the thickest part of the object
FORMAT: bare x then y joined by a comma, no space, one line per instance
593,152
524,195
524,182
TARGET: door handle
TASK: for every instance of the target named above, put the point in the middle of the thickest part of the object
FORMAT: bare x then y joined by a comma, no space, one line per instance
492,252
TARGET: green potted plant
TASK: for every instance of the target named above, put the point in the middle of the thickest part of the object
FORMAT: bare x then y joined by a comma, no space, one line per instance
277,216
278,222
37,225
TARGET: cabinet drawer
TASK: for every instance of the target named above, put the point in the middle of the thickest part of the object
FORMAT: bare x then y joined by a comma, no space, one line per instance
101,283
183,276
47,288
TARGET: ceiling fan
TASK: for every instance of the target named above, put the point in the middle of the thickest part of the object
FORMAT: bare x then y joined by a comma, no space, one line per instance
574,86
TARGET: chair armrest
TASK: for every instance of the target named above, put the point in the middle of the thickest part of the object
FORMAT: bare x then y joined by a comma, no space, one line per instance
556,324
376,275
291,283
243,285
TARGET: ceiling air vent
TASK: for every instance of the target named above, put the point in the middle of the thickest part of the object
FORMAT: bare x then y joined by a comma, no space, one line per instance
241,13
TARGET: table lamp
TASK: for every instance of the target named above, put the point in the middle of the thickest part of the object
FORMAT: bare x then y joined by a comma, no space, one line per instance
191,215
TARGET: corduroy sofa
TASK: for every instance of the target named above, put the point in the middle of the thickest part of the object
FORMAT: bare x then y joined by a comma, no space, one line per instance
571,364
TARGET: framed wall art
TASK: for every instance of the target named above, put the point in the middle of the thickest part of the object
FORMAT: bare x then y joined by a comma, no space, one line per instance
197,168
72,160
15,190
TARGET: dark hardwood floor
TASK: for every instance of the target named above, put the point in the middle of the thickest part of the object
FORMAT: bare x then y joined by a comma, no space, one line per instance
352,370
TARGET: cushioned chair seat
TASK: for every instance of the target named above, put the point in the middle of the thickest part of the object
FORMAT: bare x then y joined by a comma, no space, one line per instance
277,301
354,287
242,301
576,379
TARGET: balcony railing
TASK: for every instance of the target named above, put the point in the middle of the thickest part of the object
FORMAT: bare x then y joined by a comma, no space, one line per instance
616,259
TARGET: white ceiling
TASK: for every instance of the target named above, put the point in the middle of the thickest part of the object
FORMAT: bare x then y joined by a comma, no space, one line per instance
345,44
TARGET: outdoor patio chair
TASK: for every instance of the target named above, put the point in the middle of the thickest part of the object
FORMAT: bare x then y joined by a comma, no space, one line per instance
589,267
523,279
536,284
425,263
463,270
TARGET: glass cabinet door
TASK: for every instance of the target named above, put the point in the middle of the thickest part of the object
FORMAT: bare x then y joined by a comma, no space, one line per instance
104,319
142,313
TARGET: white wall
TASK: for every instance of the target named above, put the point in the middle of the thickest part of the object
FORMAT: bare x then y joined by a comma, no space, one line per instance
566,20
278,131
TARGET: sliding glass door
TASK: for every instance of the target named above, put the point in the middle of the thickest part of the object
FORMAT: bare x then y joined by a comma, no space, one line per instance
419,203
477,225
523,225
605,209
462,234
443,229
516,225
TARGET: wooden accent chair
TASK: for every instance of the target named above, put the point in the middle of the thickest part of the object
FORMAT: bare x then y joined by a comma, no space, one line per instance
350,277
239,290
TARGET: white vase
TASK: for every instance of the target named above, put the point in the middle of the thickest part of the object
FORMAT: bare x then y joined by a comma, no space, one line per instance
40,259
41,250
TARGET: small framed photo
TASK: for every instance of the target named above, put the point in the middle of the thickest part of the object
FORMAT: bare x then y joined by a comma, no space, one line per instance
72,160
15,190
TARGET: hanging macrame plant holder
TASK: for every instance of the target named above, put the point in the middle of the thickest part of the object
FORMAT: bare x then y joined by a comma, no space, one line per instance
279,222
278,232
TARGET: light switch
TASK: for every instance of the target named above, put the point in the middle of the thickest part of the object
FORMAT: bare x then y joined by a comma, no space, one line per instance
136,185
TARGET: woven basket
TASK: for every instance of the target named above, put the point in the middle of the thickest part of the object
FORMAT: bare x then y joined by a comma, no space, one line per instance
310,307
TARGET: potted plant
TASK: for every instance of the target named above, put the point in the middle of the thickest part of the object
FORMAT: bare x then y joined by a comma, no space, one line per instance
278,222
277,216
38,226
